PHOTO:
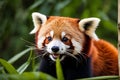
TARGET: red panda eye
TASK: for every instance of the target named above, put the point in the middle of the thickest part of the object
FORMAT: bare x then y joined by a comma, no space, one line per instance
49,38
65,39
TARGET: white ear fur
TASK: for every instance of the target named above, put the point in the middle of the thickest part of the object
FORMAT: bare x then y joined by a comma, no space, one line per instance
38,20
89,25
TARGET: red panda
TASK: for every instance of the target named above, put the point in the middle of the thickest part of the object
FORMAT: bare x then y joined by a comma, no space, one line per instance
81,52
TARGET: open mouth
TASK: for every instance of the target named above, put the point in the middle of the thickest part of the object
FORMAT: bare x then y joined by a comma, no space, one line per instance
55,56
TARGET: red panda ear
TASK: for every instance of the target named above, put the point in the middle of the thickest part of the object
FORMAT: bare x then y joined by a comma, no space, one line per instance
89,25
38,20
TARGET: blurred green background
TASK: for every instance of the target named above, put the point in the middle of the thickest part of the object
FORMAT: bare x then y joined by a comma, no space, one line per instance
16,21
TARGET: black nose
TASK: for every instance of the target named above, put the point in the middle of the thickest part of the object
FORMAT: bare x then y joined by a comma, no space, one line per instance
55,48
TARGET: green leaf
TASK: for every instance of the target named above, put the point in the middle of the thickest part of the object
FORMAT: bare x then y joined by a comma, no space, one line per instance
59,70
22,68
8,66
45,76
102,78
33,63
3,77
36,4
27,76
37,76
19,55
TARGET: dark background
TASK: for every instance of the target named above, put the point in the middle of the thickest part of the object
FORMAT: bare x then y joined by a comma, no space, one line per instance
16,21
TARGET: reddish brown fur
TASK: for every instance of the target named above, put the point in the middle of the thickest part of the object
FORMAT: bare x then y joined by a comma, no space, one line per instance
46,41
104,55
105,58
60,24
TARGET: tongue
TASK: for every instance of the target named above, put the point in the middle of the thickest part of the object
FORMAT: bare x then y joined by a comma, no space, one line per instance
55,55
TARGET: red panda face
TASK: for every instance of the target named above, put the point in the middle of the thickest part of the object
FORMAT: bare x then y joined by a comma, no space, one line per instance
57,46
62,36
56,37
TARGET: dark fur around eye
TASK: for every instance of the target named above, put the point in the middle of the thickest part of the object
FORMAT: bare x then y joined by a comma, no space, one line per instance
49,38
65,39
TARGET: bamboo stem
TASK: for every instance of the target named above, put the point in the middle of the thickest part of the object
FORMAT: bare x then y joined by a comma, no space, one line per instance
119,34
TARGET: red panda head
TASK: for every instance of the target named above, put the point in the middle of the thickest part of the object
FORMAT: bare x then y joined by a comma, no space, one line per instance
62,36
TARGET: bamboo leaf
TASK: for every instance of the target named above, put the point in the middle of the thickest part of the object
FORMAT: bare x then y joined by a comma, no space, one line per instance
36,4
3,77
22,68
38,76
45,76
102,78
8,66
59,70
19,55
27,76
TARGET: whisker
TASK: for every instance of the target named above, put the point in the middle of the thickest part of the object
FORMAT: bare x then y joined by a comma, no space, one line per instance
38,56
69,50
43,48
80,57
44,54
41,52
32,47
69,54
28,41
83,56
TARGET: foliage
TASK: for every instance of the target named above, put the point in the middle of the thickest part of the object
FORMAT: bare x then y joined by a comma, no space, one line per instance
16,23
10,73
59,70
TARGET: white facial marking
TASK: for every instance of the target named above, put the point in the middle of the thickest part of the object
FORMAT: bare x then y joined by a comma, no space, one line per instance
63,34
40,42
51,33
77,46
56,42
52,57
55,59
